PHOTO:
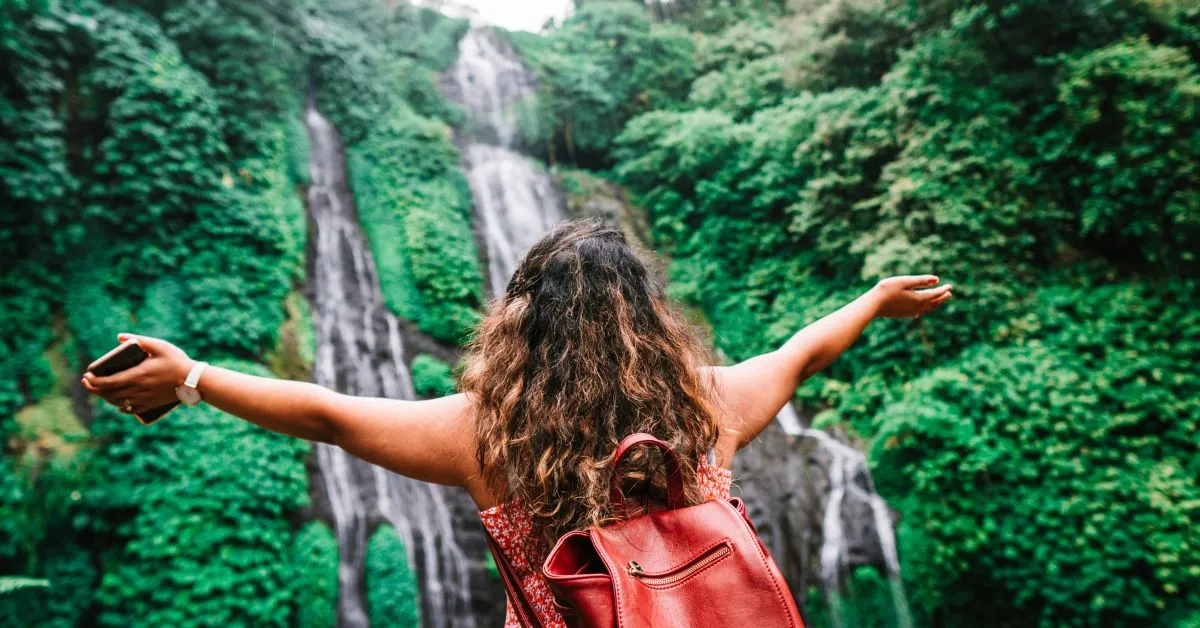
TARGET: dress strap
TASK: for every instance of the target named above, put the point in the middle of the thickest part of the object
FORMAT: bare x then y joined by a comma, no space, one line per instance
525,612
712,457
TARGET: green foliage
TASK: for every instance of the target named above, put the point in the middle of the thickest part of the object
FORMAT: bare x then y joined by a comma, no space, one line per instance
427,36
315,561
8,584
1053,479
392,595
1130,148
296,351
709,15
35,185
59,600
297,164
39,503
180,567
414,204
867,601
72,578
365,58
241,272
377,71
850,43
163,161
13,528
1039,156
154,186
1038,434
249,54
432,377
345,64
607,63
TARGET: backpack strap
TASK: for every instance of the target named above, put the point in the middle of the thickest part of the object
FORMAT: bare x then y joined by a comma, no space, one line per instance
674,477
512,585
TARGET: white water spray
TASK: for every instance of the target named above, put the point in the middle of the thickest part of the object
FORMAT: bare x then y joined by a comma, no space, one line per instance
516,202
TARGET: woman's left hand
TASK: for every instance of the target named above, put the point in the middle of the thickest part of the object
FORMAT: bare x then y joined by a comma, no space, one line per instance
909,295
148,385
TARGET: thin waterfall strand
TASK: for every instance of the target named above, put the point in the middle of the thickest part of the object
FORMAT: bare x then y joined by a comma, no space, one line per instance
360,351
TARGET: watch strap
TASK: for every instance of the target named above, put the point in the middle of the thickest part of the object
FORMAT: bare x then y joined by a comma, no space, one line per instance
193,376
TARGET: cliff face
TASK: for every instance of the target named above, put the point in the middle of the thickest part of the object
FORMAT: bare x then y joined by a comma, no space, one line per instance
788,482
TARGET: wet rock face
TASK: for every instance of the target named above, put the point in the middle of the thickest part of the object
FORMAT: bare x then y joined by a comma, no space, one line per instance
777,485
787,483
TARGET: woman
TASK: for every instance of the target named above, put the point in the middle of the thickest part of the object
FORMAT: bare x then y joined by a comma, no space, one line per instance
582,350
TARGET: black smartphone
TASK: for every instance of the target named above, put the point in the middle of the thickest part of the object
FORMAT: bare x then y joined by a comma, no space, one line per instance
126,356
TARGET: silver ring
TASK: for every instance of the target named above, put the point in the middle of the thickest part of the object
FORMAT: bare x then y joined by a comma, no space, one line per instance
128,405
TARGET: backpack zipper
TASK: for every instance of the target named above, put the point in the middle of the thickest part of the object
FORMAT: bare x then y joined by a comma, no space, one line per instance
638,572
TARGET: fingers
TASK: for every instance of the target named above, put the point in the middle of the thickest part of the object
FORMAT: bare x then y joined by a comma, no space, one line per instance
120,403
111,394
130,403
935,293
126,399
934,303
152,346
121,390
117,380
930,300
912,282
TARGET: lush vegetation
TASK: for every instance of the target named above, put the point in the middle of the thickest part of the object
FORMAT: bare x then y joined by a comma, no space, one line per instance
1039,435
153,164
414,203
432,377
392,596
315,565
163,205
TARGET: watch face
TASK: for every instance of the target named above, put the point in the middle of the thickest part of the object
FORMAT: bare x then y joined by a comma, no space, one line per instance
188,395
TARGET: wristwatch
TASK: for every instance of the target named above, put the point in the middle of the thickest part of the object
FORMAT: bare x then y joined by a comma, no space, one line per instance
188,393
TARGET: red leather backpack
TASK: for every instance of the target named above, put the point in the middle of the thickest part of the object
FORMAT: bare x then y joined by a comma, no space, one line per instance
699,565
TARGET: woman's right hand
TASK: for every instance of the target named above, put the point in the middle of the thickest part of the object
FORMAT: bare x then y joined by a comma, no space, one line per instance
909,295
148,385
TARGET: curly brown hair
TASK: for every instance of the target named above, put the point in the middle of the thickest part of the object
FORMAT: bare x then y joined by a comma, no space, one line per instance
583,349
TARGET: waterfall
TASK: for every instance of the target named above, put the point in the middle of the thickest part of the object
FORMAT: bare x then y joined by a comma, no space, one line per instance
516,202
360,351
848,475
887,543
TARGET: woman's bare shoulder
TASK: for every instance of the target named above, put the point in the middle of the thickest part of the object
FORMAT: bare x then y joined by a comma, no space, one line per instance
462,407
730,423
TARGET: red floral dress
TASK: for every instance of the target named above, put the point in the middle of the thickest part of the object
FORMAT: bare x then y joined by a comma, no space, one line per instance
510,526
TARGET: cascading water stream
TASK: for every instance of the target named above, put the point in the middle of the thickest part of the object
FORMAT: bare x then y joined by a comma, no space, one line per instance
516,202
360,351
846,464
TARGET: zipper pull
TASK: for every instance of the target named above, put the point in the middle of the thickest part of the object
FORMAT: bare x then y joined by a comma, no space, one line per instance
635,569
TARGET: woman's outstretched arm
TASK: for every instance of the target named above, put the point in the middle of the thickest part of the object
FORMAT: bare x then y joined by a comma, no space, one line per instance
425,440
756,390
